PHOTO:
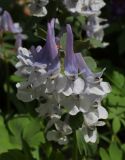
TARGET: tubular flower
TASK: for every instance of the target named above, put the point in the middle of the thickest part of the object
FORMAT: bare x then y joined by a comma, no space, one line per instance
38,65
62,94
7,25
74,83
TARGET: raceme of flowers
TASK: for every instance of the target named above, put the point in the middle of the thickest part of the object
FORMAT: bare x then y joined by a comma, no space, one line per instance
7,25
90,9
62,93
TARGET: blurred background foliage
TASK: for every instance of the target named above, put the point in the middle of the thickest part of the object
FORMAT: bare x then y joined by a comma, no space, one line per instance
21,130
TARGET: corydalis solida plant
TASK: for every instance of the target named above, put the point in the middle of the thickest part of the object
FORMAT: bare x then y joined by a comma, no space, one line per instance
62,93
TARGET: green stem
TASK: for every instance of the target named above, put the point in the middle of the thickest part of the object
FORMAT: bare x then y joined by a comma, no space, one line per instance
8,87
75,150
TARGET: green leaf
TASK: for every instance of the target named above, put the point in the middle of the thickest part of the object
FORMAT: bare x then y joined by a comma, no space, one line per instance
116,125
123,147
17,124
91,62
15,78
40,32
35,154
32,134
63,41
103,154
36,140
80,45
121,101
5,144
118,79
80,142
14,155
95,43
115,152
113,100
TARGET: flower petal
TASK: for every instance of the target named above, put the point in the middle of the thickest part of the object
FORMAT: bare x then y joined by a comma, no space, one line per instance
79,85
90,135
103,114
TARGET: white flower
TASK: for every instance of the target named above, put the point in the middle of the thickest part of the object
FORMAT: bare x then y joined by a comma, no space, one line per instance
90,134
26,93
37,7
74,86
48,106
55,136
56,85
85,7
60,134
91,120
94,29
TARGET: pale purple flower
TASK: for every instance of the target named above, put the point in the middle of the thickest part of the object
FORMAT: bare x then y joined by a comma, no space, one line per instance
46,57
86,71
8,25
38,65
74,84
71,67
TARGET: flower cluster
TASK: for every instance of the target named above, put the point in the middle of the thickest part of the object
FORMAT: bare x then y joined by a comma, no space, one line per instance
7,25
62,93
91,10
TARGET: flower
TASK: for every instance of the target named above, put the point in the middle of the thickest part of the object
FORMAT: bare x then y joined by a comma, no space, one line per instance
37,7
60,134
74,83
85,7
7,25
94,29
70,63
38,65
